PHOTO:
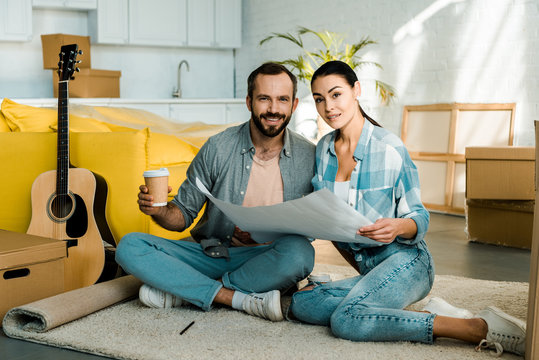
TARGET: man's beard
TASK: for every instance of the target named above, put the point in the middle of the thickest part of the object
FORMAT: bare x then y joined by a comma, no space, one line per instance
273,130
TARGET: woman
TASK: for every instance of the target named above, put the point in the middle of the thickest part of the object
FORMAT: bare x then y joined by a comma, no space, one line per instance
370,169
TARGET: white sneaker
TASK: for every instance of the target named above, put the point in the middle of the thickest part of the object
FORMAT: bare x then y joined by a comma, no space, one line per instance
319,278
505,332
156,298
441,307
265,305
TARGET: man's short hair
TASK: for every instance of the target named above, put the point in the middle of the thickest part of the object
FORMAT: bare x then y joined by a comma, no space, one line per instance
270,68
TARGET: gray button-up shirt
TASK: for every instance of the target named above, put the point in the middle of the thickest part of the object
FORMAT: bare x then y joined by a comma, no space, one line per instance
224,164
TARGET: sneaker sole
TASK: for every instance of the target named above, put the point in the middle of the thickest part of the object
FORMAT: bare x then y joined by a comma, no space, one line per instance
521,324
277,313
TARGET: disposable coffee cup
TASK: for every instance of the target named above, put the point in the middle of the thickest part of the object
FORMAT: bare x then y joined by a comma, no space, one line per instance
157,184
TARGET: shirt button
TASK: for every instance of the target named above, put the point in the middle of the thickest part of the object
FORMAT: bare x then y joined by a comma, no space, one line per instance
351,204
242,192
252,150
247,167
242,150
228,236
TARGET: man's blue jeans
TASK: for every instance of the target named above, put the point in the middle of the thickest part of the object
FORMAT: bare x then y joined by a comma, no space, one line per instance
182,269
369,307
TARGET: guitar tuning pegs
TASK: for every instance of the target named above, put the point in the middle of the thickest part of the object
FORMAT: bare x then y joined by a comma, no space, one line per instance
80,52
78,61
77,69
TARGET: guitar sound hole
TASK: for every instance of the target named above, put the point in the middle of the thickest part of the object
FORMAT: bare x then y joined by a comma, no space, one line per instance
61,206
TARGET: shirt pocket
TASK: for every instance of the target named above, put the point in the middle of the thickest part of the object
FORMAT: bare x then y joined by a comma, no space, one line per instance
379,200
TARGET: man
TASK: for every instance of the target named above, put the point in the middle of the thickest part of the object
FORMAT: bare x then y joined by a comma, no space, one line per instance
257,163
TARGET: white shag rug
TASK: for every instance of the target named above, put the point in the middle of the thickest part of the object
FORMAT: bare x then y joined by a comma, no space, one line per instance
132,331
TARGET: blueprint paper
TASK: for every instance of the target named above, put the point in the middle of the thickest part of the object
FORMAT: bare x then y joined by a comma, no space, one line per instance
320,215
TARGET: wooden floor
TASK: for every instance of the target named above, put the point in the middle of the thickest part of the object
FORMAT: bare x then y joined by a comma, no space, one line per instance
453,255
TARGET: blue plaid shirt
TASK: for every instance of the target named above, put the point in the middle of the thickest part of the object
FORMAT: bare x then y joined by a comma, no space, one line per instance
383,184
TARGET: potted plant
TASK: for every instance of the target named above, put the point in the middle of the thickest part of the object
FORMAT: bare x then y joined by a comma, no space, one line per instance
304,65
334,48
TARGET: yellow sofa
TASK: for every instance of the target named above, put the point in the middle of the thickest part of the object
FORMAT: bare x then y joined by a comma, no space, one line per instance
118,144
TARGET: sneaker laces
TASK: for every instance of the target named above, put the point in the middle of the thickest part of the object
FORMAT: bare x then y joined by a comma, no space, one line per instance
510,343
168,299
256,306
485,344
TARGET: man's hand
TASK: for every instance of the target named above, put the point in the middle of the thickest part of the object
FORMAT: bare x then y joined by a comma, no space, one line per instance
145,202
242,238
385,230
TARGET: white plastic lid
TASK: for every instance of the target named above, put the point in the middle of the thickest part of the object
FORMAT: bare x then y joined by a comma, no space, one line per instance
156,173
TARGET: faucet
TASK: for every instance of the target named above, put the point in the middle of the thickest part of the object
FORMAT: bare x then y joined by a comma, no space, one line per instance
178,92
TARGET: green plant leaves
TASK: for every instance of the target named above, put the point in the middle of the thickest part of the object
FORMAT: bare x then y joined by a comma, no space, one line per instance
333,48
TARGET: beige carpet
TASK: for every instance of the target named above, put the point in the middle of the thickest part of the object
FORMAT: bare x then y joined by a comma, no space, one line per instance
131,331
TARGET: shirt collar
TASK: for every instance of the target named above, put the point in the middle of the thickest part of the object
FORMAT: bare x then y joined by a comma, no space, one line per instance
247,143
361,147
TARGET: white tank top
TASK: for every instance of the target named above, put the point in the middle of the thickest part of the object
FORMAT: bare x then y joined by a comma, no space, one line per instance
341,188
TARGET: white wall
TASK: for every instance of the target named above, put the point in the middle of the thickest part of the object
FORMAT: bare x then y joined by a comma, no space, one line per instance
147,72
432,51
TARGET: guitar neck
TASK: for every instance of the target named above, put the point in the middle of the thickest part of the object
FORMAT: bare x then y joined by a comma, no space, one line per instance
62,160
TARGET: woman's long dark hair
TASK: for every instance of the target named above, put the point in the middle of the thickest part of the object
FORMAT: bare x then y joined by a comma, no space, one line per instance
341,68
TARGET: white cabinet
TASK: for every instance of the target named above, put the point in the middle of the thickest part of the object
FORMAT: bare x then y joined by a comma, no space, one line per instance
15,20
221,113
206,113
109,23
228,23
214,23
200,23
174,23
158,22
237,113
65,4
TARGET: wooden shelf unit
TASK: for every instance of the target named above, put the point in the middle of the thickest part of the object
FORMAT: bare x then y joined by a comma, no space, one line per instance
436,137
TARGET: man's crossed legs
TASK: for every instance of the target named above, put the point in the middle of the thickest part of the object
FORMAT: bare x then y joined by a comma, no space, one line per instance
249,280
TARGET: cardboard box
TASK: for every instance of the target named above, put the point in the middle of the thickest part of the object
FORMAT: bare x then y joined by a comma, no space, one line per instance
500,222
31,268
502,173
92,83
52,43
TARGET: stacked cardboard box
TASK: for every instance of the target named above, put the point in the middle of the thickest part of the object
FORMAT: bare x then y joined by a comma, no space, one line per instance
88,83
32,268
500,195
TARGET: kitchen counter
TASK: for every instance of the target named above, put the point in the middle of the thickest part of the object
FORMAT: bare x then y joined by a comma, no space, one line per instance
182,110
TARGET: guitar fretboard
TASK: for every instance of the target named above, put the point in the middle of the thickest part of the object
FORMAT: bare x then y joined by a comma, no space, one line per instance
62,160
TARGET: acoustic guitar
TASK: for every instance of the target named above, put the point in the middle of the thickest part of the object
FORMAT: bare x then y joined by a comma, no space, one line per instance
69,203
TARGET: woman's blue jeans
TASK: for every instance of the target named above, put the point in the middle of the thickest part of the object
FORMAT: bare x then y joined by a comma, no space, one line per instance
369,307
182,269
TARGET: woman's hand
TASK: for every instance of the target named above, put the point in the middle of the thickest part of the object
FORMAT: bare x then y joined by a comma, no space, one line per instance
385,230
